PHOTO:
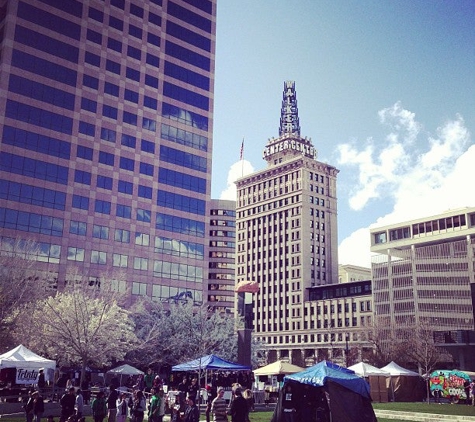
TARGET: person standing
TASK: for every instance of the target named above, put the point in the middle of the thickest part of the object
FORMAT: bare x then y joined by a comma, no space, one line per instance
161,411
249,397
122,409
139,406
67,402
99,407
218,407
193,389
154,406
41,380
238,410
211,394
38,406
148,380
192,413
29,407
176,415
112,404
288,404
183,389
79,404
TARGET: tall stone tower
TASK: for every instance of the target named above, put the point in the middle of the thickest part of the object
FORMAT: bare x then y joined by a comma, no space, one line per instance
286,234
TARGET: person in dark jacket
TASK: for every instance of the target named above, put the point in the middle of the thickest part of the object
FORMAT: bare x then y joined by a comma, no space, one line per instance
192,413
67,402
38,406
288,404
99,407
239,409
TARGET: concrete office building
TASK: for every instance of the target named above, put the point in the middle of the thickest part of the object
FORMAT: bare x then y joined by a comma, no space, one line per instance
222,247
286,234
348,273
105,148
424,275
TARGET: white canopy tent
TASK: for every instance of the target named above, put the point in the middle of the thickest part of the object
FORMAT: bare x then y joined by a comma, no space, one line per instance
27,364
122,370
278,368
377,379
365,370
404,384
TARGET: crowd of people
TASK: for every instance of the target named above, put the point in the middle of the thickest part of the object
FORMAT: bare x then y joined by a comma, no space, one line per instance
147,397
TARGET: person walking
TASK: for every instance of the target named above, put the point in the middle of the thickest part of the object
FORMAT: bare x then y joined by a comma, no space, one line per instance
218,407
238,409
99,407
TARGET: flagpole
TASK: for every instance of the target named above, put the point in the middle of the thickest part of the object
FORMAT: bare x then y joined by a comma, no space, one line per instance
242,158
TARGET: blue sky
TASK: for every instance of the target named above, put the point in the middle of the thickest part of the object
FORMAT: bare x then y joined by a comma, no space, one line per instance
385,90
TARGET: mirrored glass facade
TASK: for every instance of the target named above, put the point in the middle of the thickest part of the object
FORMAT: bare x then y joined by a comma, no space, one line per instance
106,138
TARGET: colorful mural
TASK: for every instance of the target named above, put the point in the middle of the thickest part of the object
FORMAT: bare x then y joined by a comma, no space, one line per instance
448,383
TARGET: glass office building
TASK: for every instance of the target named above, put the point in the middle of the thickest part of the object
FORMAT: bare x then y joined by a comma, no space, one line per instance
105,139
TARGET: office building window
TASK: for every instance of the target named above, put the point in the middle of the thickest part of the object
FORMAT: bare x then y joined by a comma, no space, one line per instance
100,232
98,257
78,227
123,211
119,260
75,254
80,202
143,215
125,187
122,235
102,207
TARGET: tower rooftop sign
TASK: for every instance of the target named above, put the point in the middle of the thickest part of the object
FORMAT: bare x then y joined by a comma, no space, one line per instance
289,143
289,115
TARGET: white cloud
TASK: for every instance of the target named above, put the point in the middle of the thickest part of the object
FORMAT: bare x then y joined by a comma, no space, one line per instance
418,183
236,171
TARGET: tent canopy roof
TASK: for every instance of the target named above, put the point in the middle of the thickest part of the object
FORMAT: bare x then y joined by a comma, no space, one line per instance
365,370
25,358
278,368
210,362
394,369
125,370
319,374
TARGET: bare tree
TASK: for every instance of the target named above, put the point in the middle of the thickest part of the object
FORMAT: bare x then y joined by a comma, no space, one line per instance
81,325
386,345
20,282
420,349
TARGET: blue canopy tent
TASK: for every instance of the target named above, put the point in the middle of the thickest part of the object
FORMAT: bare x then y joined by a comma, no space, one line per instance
210,362
329,392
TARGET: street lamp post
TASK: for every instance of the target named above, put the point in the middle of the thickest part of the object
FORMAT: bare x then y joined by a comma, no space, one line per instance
347,349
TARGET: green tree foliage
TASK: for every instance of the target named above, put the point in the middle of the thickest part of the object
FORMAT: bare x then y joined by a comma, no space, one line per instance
181,332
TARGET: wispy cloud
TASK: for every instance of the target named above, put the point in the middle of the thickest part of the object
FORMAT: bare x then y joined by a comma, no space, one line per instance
420,175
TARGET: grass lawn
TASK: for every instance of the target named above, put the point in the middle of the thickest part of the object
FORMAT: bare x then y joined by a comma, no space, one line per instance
446,409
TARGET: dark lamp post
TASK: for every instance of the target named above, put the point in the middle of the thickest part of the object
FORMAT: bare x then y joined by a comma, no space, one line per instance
347,349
